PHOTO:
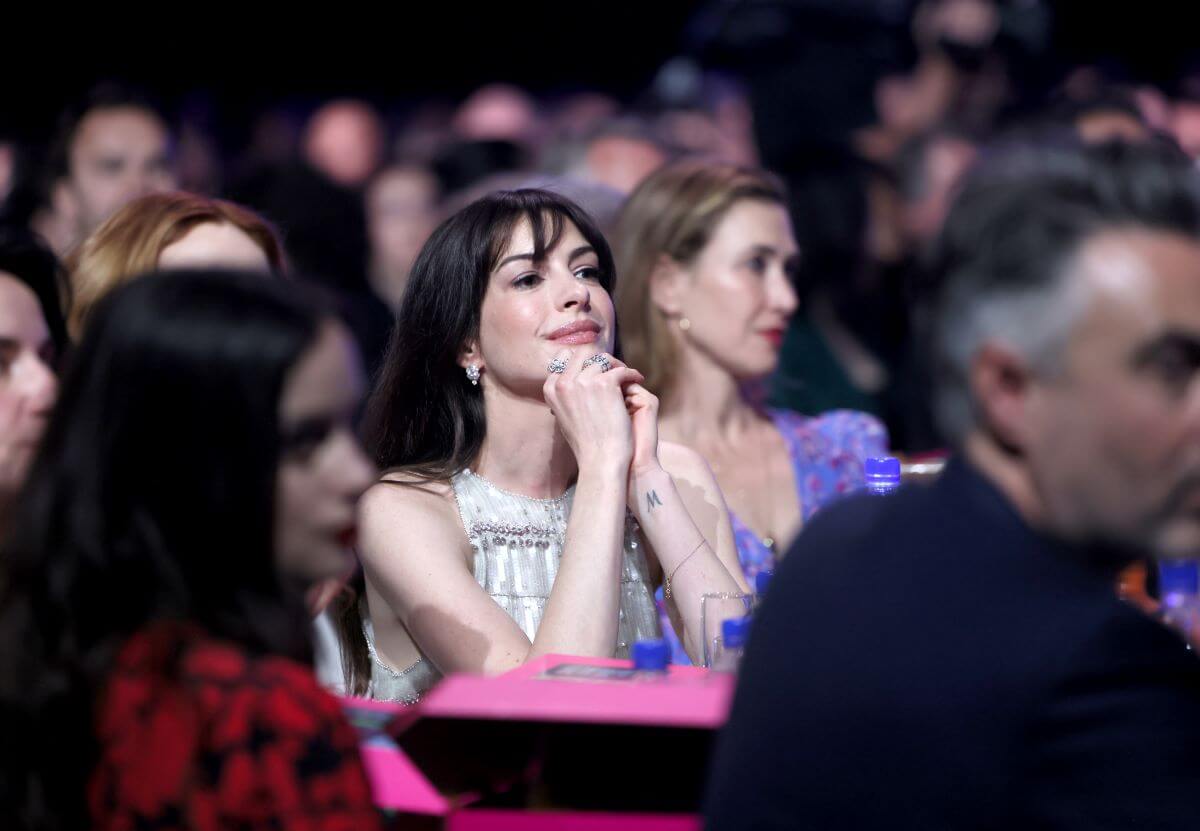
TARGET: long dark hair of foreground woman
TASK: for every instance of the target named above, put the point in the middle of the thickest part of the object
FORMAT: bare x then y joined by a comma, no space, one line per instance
153,498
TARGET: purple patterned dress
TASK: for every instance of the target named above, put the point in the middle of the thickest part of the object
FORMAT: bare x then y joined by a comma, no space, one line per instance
827,453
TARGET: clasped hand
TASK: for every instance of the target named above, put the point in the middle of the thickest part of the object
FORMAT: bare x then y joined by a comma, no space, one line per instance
608,418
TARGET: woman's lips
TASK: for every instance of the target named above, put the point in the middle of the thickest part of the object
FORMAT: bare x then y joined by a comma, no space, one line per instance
348,537
774,337
576,332
582,336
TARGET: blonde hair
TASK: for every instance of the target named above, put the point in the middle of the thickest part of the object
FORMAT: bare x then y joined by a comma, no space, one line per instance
132,240
672,214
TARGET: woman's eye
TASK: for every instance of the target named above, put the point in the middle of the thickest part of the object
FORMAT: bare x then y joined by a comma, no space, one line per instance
527,280
588,273
758,264
305,439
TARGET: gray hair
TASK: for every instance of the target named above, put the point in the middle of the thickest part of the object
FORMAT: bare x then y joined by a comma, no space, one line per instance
1011,241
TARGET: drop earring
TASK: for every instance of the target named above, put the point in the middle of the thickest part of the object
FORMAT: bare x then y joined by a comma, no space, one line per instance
684,324
473,374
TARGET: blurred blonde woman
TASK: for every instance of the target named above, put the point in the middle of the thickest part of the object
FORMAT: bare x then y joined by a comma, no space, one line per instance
706,258
167,231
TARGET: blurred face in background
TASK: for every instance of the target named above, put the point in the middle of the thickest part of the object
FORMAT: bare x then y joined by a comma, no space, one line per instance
497,112
1110,125
322,468
345,141
402,207
27,383
117,155
1185,126
622,162
946,160
215,244
737,295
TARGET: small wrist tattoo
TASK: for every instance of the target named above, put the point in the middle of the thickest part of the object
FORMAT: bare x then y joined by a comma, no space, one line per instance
652,500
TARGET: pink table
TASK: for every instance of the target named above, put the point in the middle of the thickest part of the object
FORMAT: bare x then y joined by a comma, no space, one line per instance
438,770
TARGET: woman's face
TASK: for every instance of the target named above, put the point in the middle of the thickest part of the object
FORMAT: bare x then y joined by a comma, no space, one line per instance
215,244
737,294
28,385
322,469
532,310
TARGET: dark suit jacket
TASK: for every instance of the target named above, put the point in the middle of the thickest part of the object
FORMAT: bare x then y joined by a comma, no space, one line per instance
927,661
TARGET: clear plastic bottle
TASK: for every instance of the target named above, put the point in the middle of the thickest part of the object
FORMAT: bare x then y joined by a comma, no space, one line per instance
732,643
1179,588
882,474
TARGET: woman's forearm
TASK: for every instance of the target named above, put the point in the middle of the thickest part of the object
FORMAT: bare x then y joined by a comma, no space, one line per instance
688,558
581,614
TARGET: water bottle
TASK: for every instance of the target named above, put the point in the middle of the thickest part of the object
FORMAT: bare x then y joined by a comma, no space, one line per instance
650,658
732,643
882,475
1179,588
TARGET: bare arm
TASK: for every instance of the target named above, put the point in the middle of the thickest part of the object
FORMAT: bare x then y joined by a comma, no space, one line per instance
416,560
683,515
677,502
415,554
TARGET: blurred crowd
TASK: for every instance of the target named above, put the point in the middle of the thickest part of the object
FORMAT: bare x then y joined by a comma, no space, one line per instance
869,126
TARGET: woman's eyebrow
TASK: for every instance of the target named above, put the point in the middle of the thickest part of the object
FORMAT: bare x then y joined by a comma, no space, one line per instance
513,258
580,251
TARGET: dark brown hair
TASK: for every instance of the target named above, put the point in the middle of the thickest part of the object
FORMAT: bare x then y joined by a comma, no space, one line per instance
423,417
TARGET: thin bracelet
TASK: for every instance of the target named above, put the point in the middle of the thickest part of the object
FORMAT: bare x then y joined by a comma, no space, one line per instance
674,571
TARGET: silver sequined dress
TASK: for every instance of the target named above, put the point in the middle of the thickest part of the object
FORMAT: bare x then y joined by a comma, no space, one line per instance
517,542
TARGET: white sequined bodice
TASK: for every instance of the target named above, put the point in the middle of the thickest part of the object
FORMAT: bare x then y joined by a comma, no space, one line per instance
516,544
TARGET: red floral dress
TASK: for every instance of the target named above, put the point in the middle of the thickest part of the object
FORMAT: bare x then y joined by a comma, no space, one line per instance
194,734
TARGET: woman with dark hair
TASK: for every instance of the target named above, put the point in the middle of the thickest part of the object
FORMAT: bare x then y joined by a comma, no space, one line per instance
527,506
32,335
198,474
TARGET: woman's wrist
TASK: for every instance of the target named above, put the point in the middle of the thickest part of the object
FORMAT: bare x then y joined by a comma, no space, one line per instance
647,487
608,469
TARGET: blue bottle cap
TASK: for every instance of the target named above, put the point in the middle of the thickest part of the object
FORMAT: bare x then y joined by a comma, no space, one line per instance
882,474
761,581
882,467
652,655
734,631
1178,577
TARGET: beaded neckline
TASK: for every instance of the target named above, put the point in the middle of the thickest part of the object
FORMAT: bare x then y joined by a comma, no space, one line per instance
555,500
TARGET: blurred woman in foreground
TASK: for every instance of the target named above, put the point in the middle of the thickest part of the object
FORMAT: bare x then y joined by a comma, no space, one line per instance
32,337
198,475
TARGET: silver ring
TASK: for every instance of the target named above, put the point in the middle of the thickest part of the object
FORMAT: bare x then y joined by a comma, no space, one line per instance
599,358
557,366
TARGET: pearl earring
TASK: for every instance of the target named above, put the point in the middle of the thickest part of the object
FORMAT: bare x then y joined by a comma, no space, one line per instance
684,324
473,374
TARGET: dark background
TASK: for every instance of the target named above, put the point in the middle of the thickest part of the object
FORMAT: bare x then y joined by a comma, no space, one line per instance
231,61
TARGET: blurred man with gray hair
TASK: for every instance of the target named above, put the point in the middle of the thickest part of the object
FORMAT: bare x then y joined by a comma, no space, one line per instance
956,656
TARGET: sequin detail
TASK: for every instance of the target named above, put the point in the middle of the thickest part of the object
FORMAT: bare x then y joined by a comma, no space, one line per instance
402,686
516,544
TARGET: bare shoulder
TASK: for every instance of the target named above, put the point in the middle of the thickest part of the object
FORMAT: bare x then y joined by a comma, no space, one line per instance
404,493
402,507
